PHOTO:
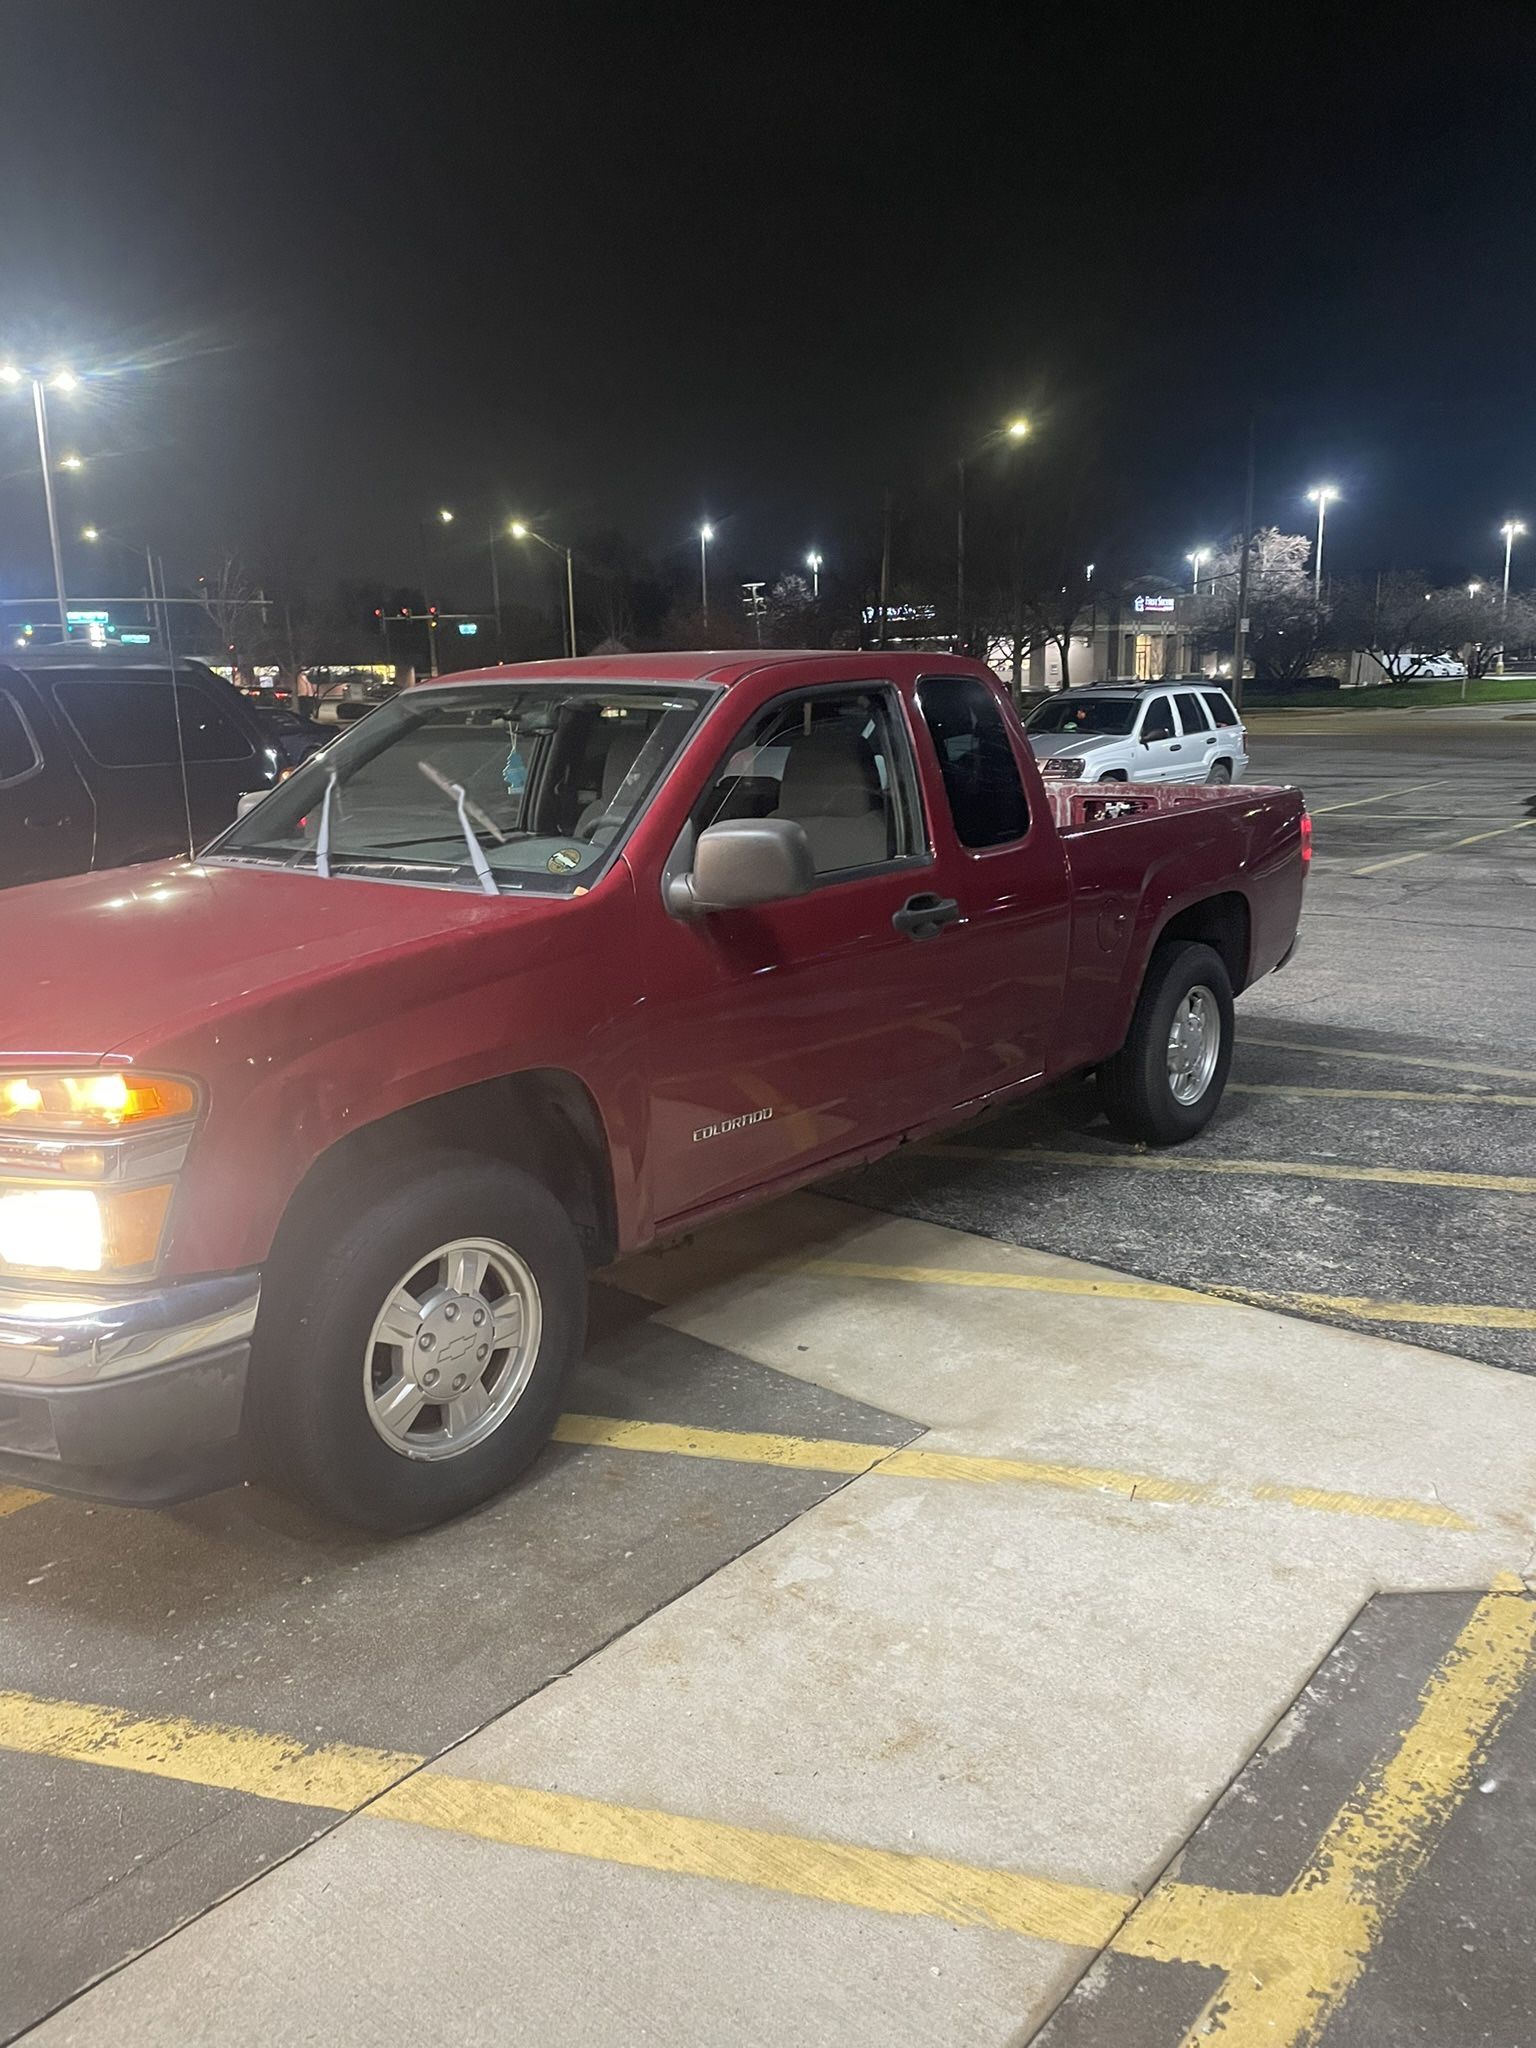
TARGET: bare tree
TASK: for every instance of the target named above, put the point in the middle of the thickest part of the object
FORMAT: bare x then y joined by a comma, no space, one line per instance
1288,626
1395,619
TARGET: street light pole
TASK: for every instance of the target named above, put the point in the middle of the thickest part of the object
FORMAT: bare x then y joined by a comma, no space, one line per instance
1320,499
490,535
521,530
960,556
1509,529
65,382
706,535
813,563
1195,558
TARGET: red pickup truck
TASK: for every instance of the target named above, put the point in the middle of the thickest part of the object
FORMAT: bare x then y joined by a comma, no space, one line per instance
307,1146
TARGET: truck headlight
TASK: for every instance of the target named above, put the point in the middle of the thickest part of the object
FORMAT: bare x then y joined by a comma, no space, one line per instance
88,1165
1063,764
81,1230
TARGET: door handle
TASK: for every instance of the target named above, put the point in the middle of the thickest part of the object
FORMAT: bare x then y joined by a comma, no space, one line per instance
925,915
45,824
1174,747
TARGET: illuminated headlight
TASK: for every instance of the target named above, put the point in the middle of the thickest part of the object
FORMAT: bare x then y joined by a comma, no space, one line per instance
1063,764
81,1230
87,1170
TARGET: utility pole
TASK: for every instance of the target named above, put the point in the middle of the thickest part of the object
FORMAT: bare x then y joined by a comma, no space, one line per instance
45,457
960,557
490,534
1240,630
885,568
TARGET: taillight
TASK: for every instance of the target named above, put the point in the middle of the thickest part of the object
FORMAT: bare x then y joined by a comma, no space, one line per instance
1306,839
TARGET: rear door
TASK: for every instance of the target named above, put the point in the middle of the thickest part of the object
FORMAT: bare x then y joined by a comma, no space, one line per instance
1197,735
1004,865
46,814
127,726
1158,751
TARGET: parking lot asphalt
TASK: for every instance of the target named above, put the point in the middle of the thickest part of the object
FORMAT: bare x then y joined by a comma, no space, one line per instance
915,1635
1374,1163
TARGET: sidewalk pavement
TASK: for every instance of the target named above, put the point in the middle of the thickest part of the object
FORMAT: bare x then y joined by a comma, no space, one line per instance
900,1773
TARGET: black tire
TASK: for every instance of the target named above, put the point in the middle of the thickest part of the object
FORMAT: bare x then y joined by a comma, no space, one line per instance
1114,775
1134,1087
307,1416
1221,771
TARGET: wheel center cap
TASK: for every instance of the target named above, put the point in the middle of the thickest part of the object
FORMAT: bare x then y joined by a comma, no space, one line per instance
451,1340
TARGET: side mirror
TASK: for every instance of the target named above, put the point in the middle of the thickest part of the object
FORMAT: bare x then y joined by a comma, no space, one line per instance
248,802
742,863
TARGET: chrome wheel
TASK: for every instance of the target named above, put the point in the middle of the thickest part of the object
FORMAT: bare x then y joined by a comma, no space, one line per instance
1194,1045
452,1349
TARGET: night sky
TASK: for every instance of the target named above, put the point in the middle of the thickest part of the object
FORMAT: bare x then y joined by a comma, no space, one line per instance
628,266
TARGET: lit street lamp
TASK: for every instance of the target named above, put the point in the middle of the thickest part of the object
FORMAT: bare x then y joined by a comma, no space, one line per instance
59,380
706,535
1195,557
445,517
1320,498
519,530
1014,431
813,563
1473,589
1509,529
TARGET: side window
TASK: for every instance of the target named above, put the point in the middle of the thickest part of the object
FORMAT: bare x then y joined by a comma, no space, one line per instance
126,724
1220,706
18,750
838,765
981,777
1191,716
1157,724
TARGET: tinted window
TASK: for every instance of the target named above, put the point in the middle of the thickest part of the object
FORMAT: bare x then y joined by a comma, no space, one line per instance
1191,717
838,766
981,777
18,755
127,724
1069,713
1158,724
1219,704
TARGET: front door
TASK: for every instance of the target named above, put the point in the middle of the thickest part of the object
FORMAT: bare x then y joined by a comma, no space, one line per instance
46,818
802,1030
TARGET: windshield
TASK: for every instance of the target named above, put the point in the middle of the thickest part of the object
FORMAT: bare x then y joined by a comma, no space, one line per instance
525,786
1071,713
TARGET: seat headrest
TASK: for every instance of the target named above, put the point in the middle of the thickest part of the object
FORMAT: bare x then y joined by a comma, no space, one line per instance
830,773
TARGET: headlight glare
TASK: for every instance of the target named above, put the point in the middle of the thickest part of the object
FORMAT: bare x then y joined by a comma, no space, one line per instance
81,1230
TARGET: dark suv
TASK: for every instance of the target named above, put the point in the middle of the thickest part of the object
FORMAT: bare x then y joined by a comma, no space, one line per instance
90,773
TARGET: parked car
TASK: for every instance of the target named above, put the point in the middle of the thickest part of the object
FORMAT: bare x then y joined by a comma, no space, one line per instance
91,760
1141,732
309,1145
1434,668
294,736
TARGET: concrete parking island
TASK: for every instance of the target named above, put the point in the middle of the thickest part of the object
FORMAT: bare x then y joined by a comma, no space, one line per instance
911,1639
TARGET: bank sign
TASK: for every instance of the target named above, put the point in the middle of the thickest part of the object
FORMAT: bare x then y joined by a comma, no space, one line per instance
1154,604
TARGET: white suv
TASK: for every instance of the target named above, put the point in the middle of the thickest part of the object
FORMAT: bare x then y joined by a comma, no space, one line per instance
1141,732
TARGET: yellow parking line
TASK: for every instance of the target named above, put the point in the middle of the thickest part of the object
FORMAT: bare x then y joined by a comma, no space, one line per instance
14,1498
1461,1096
1384,797
334,1775
1388,1059
1283,1169
1462,1315
1281,1992
1187,1923
1399,860
881,1461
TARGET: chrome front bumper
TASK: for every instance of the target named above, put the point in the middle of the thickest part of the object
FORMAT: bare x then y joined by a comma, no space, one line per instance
124,1395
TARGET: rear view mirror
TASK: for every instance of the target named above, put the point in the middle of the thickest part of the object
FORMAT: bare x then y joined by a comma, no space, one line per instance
248,802
742,863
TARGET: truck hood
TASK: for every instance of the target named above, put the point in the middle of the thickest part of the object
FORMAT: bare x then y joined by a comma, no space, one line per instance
99,963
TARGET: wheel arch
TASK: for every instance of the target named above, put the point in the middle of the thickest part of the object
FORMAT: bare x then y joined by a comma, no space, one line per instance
543,1119
1225,924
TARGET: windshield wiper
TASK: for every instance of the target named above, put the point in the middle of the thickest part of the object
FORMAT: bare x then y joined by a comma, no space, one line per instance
465,805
